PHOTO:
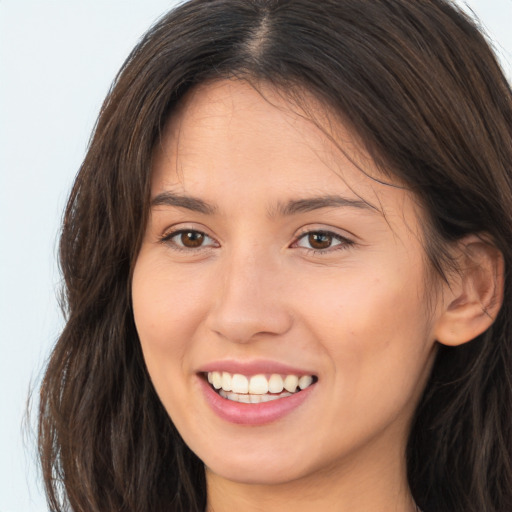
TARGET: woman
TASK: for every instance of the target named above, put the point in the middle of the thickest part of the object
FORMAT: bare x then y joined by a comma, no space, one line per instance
286,261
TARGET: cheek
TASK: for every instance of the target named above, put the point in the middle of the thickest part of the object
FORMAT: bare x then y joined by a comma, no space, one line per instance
379,350
386,310
168,307
359,302
374,327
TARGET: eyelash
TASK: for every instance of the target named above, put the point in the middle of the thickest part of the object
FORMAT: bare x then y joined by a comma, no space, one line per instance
168,239
344,243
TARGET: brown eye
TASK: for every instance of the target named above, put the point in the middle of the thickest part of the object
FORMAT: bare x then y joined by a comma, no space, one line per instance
188,239
320,240
191,239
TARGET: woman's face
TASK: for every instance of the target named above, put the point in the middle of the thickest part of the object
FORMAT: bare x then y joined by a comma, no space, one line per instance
269,254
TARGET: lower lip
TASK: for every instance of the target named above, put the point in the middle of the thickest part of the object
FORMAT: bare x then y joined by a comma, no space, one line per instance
253,414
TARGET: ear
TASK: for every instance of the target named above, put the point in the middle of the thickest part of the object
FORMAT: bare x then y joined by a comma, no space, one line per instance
474,295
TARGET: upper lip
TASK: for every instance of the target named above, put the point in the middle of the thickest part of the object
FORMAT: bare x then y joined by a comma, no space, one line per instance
254,367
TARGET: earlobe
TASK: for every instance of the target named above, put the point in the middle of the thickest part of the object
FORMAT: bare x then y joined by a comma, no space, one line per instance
474,295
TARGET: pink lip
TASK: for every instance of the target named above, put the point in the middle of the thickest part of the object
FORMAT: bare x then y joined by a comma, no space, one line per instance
253,368
253,414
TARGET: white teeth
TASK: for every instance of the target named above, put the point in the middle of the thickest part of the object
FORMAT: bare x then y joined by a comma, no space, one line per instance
275,384
226,381
258,385
255,399
239,384
305,381
252,399
290,383
245,399
217,380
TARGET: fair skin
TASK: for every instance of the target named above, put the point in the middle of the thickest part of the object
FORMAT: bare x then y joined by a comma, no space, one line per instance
267,246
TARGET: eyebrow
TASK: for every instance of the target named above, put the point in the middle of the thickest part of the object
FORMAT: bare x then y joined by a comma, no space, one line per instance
316,203
181,201
292,207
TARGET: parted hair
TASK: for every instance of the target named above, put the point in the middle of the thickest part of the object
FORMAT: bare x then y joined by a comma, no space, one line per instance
418,84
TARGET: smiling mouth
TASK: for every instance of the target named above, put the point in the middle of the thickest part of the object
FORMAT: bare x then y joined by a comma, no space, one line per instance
257,388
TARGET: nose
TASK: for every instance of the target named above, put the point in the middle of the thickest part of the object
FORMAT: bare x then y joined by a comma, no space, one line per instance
251,300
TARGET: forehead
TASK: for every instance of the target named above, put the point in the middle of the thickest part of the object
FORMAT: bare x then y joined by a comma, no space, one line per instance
227,137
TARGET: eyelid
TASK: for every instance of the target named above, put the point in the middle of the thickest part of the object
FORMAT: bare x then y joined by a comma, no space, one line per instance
173,231
345,241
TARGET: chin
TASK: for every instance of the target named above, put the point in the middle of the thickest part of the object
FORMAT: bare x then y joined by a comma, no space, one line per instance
248,473
259,467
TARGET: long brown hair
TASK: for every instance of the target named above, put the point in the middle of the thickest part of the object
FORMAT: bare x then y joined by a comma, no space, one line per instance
417,82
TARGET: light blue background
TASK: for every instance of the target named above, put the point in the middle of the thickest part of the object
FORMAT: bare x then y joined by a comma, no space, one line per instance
57,60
